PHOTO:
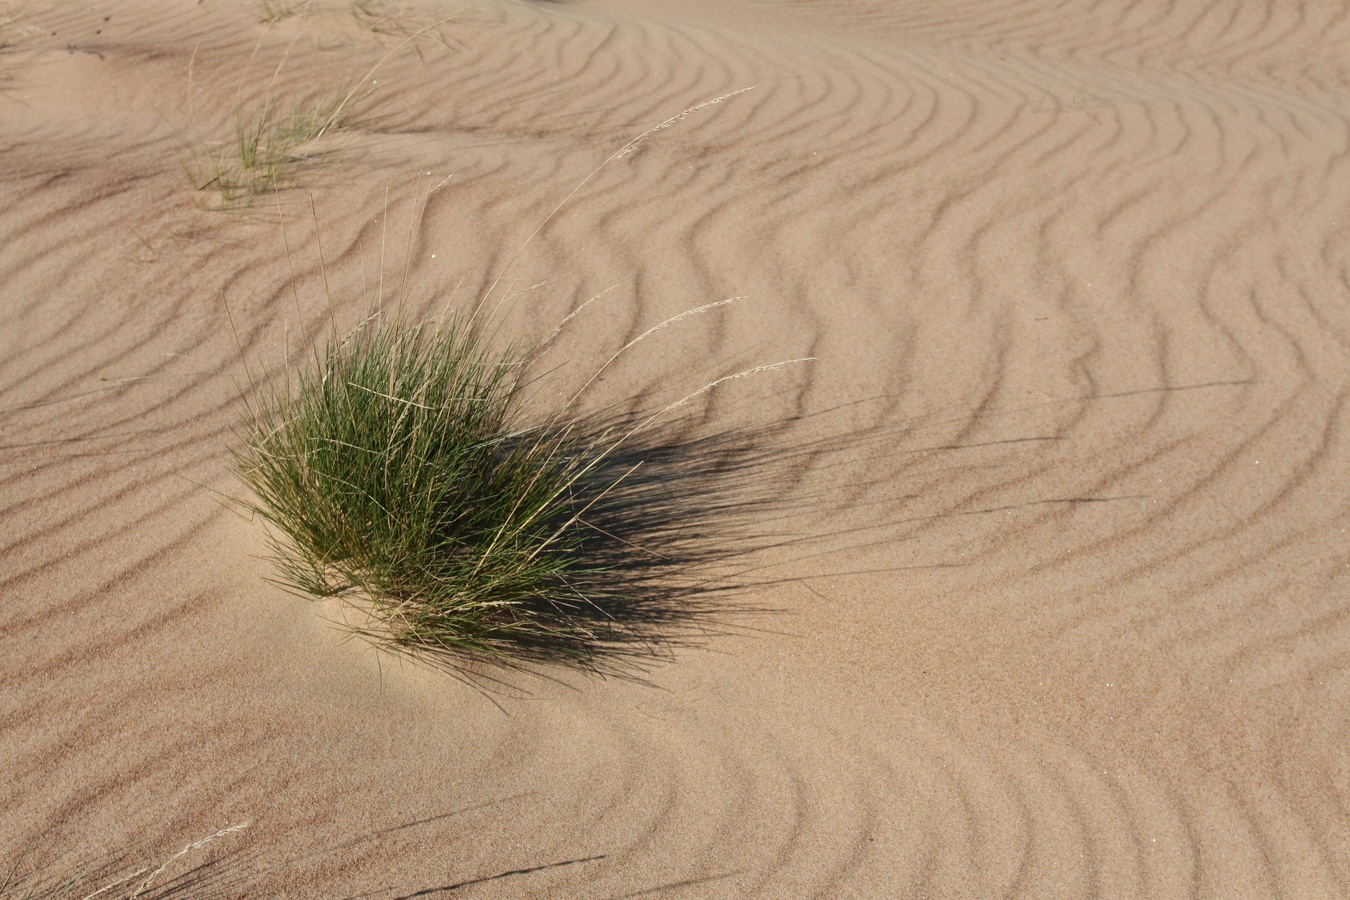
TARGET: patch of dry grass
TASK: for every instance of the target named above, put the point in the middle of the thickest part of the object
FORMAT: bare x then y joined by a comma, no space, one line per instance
272,145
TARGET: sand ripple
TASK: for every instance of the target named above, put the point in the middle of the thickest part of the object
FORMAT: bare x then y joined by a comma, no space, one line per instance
1042,565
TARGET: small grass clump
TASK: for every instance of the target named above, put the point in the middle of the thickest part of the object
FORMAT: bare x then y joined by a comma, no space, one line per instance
270,146
379,16
394,471
10,15
396,19
272,11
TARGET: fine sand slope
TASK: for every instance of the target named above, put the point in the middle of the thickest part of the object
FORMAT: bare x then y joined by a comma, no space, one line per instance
1036,582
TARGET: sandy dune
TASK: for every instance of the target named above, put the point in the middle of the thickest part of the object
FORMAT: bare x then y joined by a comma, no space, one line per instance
1039,575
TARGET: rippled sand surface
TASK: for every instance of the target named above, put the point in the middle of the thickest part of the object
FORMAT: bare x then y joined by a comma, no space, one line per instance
1035,582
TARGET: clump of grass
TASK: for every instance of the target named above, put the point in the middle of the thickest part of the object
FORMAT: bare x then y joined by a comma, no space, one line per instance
378,16
270,146
273,11
10,16
395,471
390,17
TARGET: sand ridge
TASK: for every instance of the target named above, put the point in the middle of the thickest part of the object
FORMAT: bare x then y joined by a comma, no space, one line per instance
1048,546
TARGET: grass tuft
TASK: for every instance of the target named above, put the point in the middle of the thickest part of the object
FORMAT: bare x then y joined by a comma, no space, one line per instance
396,19
270,146
395,472
10,16
272,11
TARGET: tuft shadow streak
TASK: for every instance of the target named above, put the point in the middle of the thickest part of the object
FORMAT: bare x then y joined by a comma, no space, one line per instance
429,892
666,527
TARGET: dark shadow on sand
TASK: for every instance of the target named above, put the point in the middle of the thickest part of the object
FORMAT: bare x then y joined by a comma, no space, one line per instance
663,528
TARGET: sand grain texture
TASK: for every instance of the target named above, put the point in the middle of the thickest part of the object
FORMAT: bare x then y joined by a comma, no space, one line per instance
1049,545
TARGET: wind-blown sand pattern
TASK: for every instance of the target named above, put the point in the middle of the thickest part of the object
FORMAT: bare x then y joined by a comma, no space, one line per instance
1044,569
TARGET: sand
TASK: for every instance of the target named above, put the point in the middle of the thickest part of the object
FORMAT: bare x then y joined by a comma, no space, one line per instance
1039,572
